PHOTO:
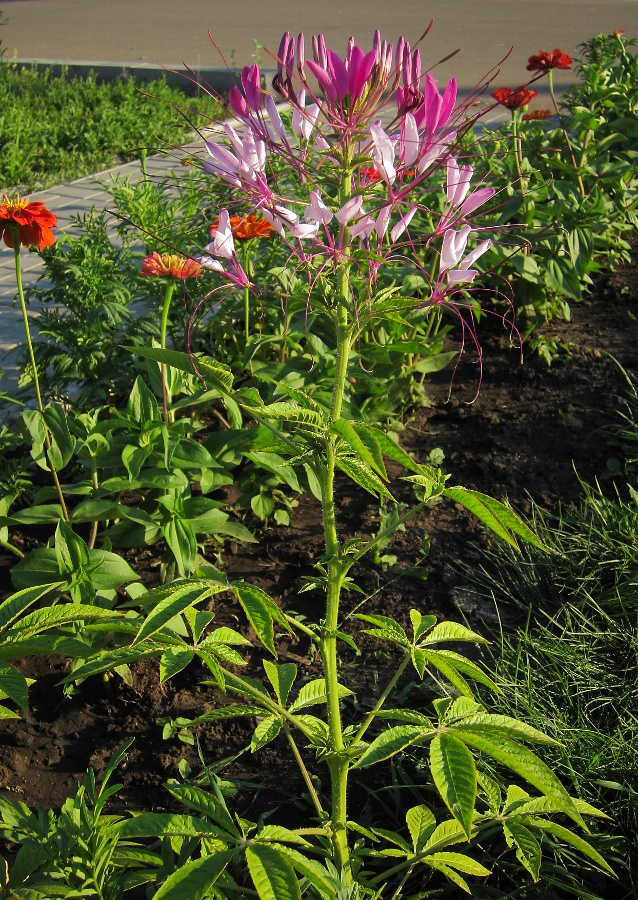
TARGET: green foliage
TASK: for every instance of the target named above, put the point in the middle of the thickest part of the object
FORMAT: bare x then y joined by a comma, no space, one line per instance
58,128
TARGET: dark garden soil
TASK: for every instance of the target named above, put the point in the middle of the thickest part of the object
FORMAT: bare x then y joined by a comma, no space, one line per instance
532,432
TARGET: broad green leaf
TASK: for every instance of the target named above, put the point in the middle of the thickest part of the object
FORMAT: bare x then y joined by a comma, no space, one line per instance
14,685
309,868
315,692
290,412
111,659
14,606
62,443
172,662
172,605
345,430
421,624
506,725
460,861
536,806
363,475
564,834
192,880
142,405
266,731
390,742
454,775
421,823
203,802
460,664
260,610
528,850
272,833
491,790
53,616
212,372
282,678
452,631
388,447
496,516
451,874
38,568
405,715
108,570
273,876
527,765
180,537
387,629
156,825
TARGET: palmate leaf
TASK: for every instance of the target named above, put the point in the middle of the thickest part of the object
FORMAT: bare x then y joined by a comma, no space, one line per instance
34,623
266,731
105,662
452,631
454,775
421,823
315,692
281,677
157,825
203,802
525,763
309,868
193,880
445,660
494,515
14,685
174,661
14,606
387,446
172,604
347,432
273,876
390,742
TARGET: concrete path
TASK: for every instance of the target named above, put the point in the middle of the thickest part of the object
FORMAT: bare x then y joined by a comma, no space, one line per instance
171,32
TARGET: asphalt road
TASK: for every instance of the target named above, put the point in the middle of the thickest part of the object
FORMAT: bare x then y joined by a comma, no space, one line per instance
175,31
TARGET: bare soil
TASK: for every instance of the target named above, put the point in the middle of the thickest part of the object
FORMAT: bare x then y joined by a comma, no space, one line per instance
534,432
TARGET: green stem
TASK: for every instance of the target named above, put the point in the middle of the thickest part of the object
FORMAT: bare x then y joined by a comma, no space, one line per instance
249,270
369,719
166,395
9,546
518,156
550,81
338,760
305,773
36,379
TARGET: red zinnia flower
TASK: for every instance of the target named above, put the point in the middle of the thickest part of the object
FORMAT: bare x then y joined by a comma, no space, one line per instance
546,61
514,99
245,227
169,265
32,222
536,114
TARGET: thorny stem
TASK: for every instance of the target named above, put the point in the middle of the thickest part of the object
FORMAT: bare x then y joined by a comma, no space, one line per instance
338,761
550,82
166,396
34,368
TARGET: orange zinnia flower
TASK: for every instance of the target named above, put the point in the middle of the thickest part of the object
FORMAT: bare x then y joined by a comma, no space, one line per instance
169,265
536,114
245,227
546,61
514,99
32,222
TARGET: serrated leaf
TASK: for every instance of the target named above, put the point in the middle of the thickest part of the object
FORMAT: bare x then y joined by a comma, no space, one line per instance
363,475
527,765
272,833
282,678
449,873
266,731
192,880
528,850
390,742
461,862
496,516
309,868
404,715
171,605
452,631
156,825
387,446
258,607
463,665
454,775
506,725
421,823
272,874
346,431
421,624
387,628
14,685
315,692
172,662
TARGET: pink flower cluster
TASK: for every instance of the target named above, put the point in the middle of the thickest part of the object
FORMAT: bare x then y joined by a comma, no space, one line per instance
336,107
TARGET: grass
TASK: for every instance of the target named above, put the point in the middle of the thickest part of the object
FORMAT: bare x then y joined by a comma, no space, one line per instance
571,668
58,128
